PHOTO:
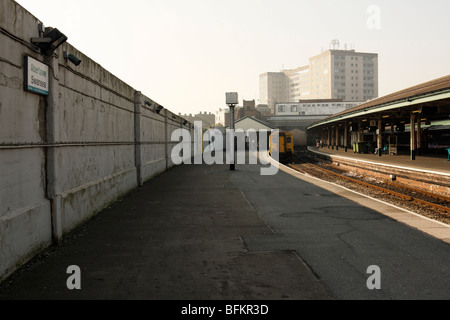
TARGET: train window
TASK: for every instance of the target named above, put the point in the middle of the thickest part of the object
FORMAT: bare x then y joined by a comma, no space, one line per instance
289,140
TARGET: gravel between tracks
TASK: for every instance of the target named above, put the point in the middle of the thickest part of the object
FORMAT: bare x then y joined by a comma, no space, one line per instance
422,209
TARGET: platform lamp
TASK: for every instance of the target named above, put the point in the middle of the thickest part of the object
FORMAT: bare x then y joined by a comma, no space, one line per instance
49,39
232,101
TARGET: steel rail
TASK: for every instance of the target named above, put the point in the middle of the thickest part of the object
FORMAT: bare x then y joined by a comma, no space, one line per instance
405,197
398,185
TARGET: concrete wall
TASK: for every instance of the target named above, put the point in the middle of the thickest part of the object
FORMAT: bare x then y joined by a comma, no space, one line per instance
66,156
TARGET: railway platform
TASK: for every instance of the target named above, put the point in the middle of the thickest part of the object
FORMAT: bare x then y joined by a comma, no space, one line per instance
429,172
200,232
427,163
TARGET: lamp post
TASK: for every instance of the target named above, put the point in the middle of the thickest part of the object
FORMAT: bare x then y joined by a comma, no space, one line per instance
232,101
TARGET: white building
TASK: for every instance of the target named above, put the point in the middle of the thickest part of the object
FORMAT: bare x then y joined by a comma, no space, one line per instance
334,74
273,88
222,117
313,107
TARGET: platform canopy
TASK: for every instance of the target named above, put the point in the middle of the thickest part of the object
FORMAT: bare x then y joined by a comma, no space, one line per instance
430,100
414,107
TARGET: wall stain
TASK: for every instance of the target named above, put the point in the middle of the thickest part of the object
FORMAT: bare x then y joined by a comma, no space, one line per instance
41,119
13,82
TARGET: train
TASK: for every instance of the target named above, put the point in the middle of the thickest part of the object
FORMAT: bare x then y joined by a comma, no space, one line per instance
283,143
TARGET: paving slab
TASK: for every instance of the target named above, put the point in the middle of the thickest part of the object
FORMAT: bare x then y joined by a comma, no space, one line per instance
177,238
201,232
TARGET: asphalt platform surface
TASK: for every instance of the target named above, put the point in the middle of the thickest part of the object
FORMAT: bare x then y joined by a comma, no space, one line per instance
200,232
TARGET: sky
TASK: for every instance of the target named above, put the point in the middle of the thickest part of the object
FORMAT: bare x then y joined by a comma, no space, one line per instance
186,55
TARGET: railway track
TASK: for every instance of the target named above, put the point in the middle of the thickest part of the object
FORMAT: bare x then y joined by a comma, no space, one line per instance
422,202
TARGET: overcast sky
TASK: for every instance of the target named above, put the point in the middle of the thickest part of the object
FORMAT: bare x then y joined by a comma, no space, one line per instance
186,54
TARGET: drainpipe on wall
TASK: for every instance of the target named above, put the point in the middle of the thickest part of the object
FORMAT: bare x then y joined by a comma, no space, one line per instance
166,138
50,152
138,137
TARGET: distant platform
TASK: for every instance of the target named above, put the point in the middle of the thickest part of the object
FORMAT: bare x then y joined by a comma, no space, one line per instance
435,164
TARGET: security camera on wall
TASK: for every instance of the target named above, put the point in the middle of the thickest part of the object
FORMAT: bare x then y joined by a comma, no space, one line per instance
72,58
